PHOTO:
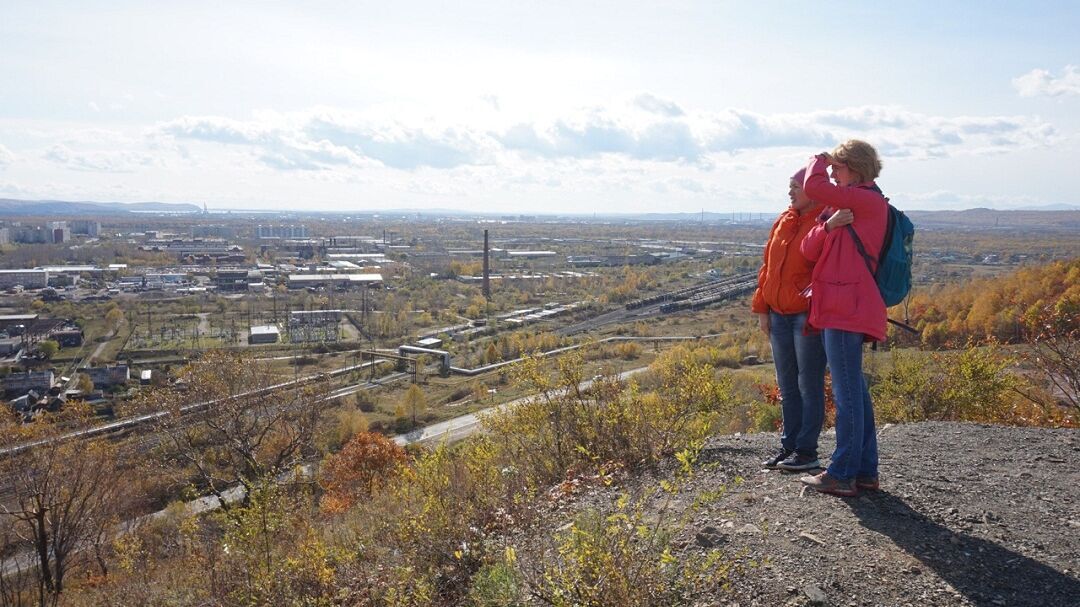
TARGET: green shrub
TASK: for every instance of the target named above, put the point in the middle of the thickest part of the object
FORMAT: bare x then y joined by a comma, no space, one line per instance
974,384
564,428
445,508
624,557
496,584
765,416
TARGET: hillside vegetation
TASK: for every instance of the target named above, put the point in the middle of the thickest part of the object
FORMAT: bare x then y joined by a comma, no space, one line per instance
497,520
999,308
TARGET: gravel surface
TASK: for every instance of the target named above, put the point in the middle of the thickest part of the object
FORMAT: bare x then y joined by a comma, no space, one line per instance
967,515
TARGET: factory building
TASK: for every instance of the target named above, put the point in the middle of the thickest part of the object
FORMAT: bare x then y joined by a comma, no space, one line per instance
302,281
264,334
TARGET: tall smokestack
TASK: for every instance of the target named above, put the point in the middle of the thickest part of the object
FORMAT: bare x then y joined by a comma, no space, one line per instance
487,268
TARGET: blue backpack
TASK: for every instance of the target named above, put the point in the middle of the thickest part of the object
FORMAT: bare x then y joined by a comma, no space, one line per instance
893,275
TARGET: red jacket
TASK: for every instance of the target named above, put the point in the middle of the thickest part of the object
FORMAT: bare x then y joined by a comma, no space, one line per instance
785,273
844,294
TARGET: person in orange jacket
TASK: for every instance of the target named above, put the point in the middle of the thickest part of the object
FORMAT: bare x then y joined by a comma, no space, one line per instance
798,354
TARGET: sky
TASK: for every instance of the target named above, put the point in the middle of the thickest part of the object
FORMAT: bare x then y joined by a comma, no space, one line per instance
534,107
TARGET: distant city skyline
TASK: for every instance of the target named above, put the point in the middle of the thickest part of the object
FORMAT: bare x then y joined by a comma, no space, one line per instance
534,108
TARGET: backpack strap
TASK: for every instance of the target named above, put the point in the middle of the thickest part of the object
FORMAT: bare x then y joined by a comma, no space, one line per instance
870,261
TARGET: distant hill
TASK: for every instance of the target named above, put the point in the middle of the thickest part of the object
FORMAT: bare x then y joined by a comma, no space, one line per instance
10,206
1053,207
1004,220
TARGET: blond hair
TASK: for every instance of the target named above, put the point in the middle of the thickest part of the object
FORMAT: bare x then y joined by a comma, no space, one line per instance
860,157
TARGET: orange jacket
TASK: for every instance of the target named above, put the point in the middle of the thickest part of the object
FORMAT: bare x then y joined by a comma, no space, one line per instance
785,273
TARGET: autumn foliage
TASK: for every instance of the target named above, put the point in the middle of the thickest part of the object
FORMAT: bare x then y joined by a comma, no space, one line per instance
366,462
990,308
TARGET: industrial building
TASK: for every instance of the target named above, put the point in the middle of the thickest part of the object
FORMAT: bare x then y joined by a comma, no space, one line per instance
29,279
314,317
68,338
104,377
153,280
21,383
10,321
235,279
530,254
218,231
10,345
264,334
197,248
359,258
594,261
301,281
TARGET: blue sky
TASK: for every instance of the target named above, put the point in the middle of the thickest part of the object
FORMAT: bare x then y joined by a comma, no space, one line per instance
534,106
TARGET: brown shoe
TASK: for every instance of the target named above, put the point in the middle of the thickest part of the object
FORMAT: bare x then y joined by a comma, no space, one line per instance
828,484
868,483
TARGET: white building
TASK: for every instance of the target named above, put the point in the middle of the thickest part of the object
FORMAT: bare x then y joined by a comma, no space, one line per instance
57,232
264,334
300,281
284,232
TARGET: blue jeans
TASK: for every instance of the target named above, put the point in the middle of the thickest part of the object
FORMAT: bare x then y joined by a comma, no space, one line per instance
800,373
856,438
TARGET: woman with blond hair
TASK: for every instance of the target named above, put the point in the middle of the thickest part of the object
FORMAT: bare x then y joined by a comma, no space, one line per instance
845,303
797,354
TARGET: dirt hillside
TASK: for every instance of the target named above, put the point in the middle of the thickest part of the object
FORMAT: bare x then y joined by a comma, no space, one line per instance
967,515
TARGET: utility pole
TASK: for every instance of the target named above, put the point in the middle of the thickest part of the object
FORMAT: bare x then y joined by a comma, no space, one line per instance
487,269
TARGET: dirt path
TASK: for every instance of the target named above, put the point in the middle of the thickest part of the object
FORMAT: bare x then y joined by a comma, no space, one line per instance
97,351
204,324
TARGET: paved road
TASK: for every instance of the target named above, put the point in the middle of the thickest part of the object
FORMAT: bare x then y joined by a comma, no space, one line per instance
461,427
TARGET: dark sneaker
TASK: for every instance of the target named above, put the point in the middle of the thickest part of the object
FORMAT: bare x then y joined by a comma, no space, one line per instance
780,456
868,483
797,462
828,484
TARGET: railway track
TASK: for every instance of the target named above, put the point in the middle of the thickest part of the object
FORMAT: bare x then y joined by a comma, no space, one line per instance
710,296
689,298
130,423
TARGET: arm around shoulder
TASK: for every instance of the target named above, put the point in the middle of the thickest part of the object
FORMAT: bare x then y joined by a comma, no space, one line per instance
812,244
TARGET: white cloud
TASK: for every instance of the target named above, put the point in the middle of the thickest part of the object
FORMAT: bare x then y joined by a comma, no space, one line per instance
123,161
653,104
645,128
1040,82
600,133
321,139
619,154
690,137
6,157
397,145
219,130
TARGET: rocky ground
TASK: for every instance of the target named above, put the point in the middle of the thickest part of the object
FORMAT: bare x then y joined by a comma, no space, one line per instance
967,515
